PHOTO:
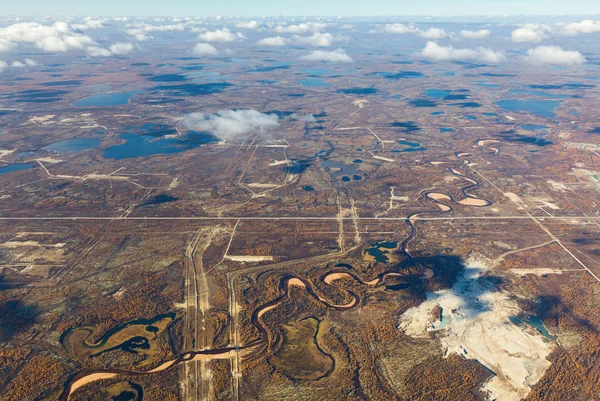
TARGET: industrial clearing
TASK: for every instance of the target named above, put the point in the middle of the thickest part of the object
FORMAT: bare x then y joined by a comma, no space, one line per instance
476,323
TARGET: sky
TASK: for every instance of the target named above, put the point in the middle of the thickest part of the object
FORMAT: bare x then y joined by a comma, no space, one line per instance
298,7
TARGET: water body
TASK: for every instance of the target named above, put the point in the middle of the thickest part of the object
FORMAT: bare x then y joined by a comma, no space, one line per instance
308,188
358,91
565,86
15,167
534,322
380,250
437,93
185,90
73,82
168,78
73,145
314,83
538,107
445,130
539,93
422,103
339,169
140,146
401,75
410,144
437,113
106,99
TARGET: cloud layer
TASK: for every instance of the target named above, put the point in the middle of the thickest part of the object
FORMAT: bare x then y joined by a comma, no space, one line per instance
554,55
230,124
434,51
336,56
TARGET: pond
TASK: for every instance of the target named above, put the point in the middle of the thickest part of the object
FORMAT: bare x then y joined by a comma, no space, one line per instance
140,146
538,107
106,99
314,83
15,167
73,145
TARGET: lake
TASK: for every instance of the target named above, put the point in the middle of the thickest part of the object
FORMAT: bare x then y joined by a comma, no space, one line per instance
106,99
140,146
15,167
538,107
73,145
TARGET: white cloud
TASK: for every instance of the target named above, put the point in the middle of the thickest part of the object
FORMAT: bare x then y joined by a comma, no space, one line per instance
347,26
554,55
273,41
249,25
482,34
205,49
26,63
90,23
527,34
229,124
319,39
577,28
307,27
440,53
434,33
95,51
3,65
220,35
336,56
395,28
121,48
60,37
5,45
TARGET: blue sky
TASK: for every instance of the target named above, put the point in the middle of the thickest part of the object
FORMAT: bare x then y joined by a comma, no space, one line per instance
300,8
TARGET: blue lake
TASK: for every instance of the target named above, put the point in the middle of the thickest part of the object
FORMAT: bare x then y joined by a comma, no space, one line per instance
139,146
539,107
314,83
74,145
106,99
437,93
15,167
538,93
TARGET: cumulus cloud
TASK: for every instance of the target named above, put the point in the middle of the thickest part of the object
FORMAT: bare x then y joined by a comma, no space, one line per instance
249,25
434,33
205,49
119,48
272,41
220,35
527,34
229,124
307,27
5,45
395,28
319,39
554,55
60,37
25,63
90,23
336,56
447,53
482,34
583,27
309,118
